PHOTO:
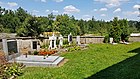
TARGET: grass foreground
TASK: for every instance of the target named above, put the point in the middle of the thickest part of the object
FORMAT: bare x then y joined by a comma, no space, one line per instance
99,61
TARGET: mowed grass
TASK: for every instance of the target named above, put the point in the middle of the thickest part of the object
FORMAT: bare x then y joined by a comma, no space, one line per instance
99,61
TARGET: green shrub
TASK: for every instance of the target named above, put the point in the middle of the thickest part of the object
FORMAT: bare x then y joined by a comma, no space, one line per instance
36,52
45,46
65,41
11,70
106,39
74,48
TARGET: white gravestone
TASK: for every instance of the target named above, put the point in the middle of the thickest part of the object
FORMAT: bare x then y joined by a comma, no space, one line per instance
111,40
52,42
78,40
70,38
38,46
61,41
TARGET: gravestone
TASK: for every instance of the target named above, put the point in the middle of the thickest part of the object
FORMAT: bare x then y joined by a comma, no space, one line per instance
38,46
52,42
78,40
10,48
61,41
70,38
111,40
34,44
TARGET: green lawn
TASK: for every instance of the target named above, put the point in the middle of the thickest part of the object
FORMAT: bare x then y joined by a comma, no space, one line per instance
99,61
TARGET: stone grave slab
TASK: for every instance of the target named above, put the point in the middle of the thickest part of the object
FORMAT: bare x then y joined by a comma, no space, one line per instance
32,58
39,61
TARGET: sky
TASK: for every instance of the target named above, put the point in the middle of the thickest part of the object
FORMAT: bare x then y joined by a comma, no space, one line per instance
81,9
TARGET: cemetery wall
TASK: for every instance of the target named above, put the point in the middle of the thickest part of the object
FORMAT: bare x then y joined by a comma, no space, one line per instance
92,39
7,35
134,39
89,39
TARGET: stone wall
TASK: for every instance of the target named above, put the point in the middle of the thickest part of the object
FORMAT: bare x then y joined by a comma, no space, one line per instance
7,35
91,39
83,39
134,39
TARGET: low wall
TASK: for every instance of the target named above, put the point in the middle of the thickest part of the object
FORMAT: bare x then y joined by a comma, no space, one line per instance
91,39
134,39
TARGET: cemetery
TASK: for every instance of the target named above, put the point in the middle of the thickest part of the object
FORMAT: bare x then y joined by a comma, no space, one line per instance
63,39
28,51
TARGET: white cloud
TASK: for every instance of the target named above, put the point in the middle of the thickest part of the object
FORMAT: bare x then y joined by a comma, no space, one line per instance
12,4
103,15
47,11
35,11
95,10
70,9
43,1
130,13
86,17
112,3
55,11
136,6
103,9
66,13
58,0
117,10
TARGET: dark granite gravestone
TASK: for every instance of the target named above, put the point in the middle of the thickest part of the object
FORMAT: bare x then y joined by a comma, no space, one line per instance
34,44
52,43
12,47
70,39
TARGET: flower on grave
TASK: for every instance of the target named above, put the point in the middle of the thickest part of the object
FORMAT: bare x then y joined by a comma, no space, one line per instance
47,52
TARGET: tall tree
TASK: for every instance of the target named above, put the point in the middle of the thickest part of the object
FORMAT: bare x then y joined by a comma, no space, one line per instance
115,30
125,33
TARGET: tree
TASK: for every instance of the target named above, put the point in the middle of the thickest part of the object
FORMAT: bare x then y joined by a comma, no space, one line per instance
115,30
31,27
119,30
22,14
125,33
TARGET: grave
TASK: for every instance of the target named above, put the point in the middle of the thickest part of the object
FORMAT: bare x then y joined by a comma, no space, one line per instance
52,42
70,38
111,40
39,61
78,40
26,46
61,41
10,48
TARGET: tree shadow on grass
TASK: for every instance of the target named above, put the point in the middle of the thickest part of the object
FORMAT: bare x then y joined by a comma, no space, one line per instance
127,69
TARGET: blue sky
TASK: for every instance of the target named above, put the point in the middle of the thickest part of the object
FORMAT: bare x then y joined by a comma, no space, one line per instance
81,9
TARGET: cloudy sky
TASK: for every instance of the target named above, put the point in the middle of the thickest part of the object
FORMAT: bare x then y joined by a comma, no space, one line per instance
85,9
